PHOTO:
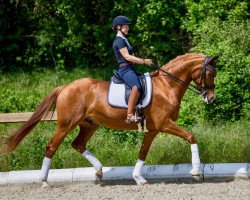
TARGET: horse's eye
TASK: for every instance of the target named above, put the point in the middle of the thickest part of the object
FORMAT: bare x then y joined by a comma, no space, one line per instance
211,74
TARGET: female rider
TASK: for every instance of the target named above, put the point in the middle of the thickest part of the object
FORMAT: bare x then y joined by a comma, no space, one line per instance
126,60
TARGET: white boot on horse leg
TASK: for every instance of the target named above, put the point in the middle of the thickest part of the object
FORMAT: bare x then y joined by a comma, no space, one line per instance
196,171
96,164
44,172
137,173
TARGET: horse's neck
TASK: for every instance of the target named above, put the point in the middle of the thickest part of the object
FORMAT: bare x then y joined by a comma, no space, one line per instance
170,86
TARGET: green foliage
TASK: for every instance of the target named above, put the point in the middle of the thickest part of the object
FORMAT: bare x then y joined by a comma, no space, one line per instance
192,108
155,32
68,34
218,26
232,81
199,11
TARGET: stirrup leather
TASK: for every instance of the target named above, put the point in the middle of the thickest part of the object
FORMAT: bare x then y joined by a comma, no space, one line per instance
131,118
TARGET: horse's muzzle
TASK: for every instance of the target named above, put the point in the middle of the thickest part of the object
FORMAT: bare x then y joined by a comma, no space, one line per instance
208,98
211,100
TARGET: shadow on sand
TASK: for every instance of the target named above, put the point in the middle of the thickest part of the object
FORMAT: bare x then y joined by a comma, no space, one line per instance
168,181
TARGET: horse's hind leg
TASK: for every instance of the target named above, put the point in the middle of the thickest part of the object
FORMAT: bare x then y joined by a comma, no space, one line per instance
87,129
51,148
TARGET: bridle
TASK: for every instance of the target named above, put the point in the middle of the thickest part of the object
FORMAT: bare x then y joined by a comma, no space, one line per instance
203,87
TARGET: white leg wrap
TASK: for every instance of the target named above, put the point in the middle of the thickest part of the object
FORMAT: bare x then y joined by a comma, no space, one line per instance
137,173
45,169
195,160
138,168
92,159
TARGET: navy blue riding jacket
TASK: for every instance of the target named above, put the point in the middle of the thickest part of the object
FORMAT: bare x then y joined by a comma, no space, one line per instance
126,72
118,44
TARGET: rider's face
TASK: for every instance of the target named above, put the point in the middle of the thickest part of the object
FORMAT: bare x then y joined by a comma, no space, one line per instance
124,29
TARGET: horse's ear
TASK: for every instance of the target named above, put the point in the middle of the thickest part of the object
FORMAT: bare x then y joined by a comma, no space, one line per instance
215,58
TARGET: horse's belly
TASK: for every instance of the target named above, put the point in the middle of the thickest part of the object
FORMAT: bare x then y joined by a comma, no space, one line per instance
114,122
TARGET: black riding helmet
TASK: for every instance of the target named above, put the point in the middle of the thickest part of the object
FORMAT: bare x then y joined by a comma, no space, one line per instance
120,20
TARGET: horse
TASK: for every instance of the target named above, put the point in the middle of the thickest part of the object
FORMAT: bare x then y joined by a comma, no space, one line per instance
84,103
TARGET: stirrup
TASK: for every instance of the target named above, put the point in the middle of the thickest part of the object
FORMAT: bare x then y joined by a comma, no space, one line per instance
131,118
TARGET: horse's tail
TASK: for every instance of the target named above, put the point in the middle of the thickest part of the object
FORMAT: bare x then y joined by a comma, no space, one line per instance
42,111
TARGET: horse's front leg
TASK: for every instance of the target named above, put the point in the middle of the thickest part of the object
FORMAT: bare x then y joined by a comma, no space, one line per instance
147,141
172,128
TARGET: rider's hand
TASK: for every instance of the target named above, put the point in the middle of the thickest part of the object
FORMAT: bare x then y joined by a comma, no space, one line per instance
149,62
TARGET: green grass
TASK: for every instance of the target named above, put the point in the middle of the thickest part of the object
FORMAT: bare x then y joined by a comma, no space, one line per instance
224,143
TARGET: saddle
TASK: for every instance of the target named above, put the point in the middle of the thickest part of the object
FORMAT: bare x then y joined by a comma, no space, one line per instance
142,79
119,92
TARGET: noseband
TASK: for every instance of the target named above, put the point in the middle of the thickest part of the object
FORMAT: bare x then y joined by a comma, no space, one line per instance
202,87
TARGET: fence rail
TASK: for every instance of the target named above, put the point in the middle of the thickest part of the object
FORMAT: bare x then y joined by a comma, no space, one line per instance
22,117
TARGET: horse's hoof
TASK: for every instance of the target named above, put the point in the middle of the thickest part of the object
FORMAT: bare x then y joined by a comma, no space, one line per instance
198,177
45,185
140,181
99,175
144,183
196,174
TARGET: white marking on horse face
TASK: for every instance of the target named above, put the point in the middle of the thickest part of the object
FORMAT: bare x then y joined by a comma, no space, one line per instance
205,99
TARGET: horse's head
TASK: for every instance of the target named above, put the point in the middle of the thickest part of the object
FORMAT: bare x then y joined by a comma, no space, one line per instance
204,78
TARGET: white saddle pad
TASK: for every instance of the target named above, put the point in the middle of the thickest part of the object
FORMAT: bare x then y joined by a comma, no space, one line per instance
116,94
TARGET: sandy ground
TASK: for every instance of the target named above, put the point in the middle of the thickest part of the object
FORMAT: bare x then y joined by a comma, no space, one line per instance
220,188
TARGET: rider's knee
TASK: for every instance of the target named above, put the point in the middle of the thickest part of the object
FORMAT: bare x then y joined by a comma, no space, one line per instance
138,88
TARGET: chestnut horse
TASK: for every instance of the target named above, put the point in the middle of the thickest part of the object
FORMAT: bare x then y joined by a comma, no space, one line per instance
84,103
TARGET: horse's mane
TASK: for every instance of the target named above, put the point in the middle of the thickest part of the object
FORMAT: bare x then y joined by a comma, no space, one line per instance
182,58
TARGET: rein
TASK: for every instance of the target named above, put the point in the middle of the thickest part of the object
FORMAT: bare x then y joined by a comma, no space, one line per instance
194,88
197,91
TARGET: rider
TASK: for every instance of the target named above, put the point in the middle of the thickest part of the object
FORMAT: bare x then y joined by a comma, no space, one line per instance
126,59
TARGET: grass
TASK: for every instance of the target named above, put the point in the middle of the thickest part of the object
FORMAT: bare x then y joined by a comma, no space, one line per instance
227,143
